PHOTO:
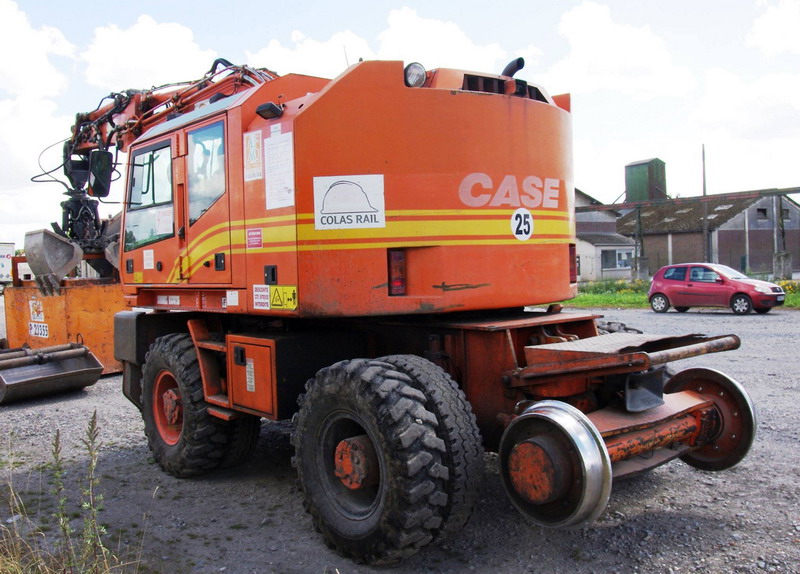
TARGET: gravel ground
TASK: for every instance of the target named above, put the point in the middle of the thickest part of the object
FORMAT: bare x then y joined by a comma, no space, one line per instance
250,519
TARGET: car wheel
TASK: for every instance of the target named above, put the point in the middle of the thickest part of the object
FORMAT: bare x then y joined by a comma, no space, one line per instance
681,309
762,310
741,304
659,303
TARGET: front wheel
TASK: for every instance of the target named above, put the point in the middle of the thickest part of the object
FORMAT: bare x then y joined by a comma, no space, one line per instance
184,438
659,303
368,461
681,309
741,304
762,310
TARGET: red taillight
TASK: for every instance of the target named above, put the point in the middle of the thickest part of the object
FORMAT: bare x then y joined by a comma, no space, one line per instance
397,272
573,264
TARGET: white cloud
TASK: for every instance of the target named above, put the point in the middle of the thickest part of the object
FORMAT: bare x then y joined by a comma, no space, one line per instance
162,53
25,68
326,58
776,30
609,56
407,37
763,109
29,86
436,43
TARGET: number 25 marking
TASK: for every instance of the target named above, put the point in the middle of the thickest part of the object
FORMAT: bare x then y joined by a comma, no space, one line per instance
522,224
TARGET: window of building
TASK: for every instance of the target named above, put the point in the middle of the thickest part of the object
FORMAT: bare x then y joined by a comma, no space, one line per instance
150,214
616,258
761,213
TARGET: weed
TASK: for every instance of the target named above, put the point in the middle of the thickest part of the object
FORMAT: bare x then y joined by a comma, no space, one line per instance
27,547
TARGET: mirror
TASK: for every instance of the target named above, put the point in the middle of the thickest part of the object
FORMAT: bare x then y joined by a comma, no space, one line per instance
101,166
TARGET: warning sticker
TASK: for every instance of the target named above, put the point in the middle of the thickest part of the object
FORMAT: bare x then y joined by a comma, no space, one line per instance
254,239
37,310
349,202
260,296
283,297
253,166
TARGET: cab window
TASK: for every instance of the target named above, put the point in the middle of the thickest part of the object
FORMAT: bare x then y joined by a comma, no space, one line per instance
150,213
675,274
206,169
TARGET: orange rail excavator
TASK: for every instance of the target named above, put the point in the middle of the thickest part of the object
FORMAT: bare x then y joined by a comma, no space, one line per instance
376,257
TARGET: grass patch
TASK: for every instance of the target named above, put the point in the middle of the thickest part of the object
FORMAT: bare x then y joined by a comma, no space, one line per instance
633,294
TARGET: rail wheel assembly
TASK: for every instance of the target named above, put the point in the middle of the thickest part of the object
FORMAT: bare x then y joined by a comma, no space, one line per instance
369,463
735,429
554,465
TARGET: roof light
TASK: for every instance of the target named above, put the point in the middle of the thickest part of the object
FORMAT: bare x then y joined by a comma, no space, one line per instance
414,75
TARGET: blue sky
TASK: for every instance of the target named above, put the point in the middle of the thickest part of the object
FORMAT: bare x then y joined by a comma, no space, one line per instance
648,79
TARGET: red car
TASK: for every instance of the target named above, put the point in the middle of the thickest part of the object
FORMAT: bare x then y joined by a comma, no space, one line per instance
711,285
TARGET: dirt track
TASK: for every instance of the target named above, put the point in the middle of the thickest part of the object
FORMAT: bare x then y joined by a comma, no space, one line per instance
250,519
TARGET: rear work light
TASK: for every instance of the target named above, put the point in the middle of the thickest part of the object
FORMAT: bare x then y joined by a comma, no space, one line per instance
397,272
573,264
414,75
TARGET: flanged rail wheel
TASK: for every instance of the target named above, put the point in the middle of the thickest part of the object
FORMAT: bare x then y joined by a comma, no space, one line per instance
369,462
554,465
736,428
184,438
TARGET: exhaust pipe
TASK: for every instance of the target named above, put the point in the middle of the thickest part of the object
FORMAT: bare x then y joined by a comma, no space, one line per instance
513,67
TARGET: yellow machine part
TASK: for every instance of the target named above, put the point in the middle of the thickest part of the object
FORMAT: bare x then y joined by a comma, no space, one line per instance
83,313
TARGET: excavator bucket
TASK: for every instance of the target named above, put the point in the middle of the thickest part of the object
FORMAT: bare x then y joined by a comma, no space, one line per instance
51,257
27,373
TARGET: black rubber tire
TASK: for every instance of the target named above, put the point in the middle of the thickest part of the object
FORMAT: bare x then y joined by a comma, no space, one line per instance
659,303
459,431
741,304
201,444
762,310
396,517
242,440
682,309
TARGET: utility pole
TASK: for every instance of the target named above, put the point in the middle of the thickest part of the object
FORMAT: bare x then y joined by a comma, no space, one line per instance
706,249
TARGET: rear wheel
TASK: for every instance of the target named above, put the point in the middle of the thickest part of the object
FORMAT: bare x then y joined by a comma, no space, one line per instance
659,303
459,431
741,304
681,309
184,438
369,463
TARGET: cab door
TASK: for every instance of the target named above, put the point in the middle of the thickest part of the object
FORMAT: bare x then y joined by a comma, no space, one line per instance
207,258
150,242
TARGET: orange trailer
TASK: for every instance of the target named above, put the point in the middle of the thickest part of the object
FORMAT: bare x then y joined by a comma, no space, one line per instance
375,256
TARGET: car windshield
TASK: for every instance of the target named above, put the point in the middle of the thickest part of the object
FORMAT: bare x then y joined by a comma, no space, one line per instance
726,271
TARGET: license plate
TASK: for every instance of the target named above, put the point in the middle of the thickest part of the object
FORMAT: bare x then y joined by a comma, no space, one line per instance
38,330
780,297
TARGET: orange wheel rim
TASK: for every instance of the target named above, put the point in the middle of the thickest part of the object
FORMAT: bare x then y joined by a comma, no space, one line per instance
167,407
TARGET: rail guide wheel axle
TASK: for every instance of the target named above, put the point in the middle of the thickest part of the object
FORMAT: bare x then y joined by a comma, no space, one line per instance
554,465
